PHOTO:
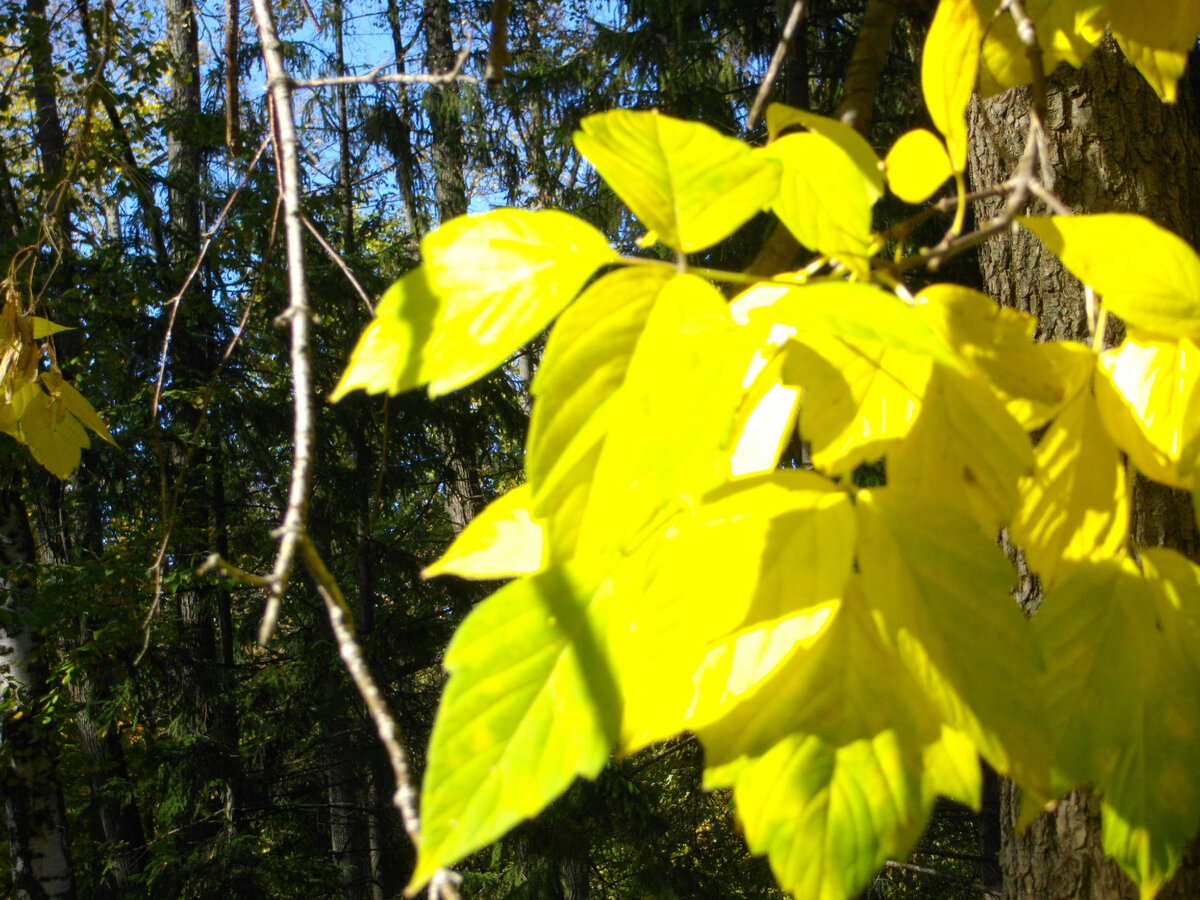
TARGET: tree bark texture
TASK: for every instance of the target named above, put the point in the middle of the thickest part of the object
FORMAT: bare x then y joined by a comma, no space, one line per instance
1113,146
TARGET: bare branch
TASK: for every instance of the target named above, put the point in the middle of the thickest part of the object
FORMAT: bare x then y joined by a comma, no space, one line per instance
781,49
296,316
341,620
374,77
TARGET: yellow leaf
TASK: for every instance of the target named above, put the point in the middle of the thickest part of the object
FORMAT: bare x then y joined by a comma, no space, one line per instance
1075,506
852,143
391,352
1145,274
1119,646
54,436
940,590
582,369
764,423
503,276
824,198
754,554
502,541
948,68
1034,380
1145,390
671,428
1067,31
858,398
964,450
1155,36
917,165
686,182
43,328
76,403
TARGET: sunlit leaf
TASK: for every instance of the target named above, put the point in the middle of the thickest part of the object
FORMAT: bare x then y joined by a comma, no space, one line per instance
964,450
860,312
917,165
530,704
391,352
583,367
1124,707
855,781
1144,391
754,553
853,144
949,65
1145,274
858,400
503,276
1156,37
1034,380
1067,31
941,590
824,198
688,183
502,541
671,433
764,422
1075,506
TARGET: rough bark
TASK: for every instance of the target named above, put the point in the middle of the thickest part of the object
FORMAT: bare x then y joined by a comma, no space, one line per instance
1113,146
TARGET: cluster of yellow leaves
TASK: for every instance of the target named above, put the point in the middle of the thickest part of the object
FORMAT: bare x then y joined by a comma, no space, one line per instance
845,654
38,407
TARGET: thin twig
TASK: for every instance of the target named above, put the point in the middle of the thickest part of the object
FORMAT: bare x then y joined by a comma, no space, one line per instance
781,49
372,77
443,885
191,275
341,263
296,315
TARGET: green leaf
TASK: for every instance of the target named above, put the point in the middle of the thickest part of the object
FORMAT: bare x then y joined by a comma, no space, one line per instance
685,181
941,591
1121,685
1075,507
391,353
583,367
853,144
1147,275
503,277
502,541
530,704
824,198
855,781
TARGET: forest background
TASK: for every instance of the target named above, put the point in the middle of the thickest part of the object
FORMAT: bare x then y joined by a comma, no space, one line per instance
155,748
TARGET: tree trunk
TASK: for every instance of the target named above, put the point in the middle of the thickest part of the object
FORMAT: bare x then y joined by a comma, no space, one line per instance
1113,146
33,803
